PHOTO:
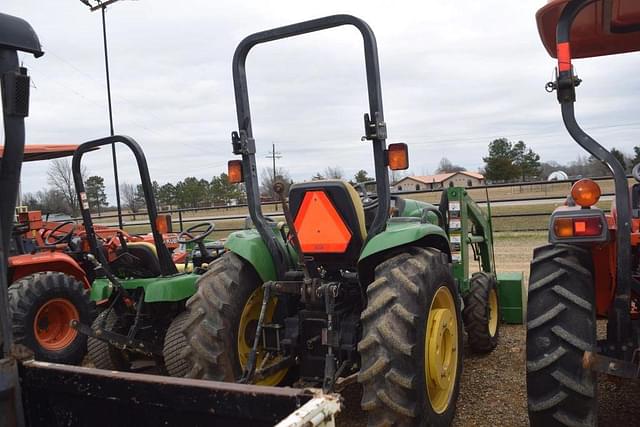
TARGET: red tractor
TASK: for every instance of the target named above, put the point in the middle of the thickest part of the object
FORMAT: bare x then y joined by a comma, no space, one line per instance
591,268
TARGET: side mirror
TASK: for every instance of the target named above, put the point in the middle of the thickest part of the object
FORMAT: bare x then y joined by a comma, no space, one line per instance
235,171
398,156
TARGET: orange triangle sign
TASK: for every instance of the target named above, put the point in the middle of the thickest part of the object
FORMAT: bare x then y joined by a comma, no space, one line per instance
319,225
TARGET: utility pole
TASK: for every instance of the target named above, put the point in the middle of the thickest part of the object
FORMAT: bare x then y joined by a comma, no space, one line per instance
274,155
102,5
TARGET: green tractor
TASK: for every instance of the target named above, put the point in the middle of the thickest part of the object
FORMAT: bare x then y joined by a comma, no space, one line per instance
139,292
354,286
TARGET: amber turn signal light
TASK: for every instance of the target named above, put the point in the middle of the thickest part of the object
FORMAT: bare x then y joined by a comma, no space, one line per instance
563,227
585,193
398,156
235,171
163,224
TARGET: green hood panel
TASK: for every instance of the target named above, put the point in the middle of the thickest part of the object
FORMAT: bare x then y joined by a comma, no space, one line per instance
399,233
156,289
249,245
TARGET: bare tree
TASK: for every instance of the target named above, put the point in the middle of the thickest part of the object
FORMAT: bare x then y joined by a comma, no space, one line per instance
446,166
60,177
131,198
335,172
267,180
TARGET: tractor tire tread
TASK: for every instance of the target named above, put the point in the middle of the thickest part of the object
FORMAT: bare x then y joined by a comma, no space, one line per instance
219,297
560,329
393,390
29,293
476,313
173,350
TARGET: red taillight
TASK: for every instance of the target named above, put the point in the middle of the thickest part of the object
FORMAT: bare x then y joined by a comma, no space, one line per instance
587,226
578,227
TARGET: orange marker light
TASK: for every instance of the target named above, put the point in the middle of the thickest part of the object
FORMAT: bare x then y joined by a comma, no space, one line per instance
235,171
563,227
398,156
163,224
585,192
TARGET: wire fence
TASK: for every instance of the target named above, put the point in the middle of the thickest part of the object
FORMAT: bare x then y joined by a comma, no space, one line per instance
515,207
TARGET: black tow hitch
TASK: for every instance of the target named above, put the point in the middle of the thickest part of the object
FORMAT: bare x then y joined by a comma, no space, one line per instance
611,366
117,340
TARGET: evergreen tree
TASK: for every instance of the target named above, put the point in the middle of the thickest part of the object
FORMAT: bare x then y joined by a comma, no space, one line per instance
95,190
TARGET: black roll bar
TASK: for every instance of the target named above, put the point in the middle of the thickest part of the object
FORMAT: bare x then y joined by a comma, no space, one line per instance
375,128
619,326
167,267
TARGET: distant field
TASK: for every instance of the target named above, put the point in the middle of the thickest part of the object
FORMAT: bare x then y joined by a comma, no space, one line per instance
514,223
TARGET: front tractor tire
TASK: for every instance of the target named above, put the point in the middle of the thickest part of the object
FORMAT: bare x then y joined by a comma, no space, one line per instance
174,346
101,353
481,313
411,347
222,320
561,327
42,306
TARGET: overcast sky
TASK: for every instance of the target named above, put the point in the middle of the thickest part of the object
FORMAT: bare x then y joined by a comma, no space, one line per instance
455,75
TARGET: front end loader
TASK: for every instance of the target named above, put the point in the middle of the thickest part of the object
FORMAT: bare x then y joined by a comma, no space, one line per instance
351,287
590,268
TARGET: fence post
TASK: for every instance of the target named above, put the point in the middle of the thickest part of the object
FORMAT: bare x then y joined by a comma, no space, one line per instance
180,220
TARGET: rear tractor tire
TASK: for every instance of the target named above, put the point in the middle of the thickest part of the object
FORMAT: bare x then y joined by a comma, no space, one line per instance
481,313
222,320
411,347
561,327
42,306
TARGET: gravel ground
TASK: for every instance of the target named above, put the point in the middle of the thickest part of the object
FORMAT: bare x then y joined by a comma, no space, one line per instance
493,391
493,386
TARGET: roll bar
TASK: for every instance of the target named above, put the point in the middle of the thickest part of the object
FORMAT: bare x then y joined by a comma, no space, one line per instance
167,267
619,318
375,127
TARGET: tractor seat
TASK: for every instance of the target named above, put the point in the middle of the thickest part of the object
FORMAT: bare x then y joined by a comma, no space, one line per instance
143,264
330,221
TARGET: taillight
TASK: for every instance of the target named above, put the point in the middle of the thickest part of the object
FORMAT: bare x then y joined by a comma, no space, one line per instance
578,227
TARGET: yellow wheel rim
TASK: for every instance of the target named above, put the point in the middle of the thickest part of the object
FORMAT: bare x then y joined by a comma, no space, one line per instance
493,312
246,334
441,350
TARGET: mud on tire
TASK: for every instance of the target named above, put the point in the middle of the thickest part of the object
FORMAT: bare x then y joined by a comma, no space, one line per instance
29,294
393,346
477,313
561,326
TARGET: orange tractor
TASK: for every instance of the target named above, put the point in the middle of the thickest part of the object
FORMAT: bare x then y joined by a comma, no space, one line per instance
591,268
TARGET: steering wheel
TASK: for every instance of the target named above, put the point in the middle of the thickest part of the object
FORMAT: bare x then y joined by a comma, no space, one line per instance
46,236
197,238
636,172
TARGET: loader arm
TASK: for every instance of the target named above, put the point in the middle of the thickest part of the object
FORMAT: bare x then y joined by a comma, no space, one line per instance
462,213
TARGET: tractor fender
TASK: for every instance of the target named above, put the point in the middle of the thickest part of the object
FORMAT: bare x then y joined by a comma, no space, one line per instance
26,264
248,244
156,289
399,234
